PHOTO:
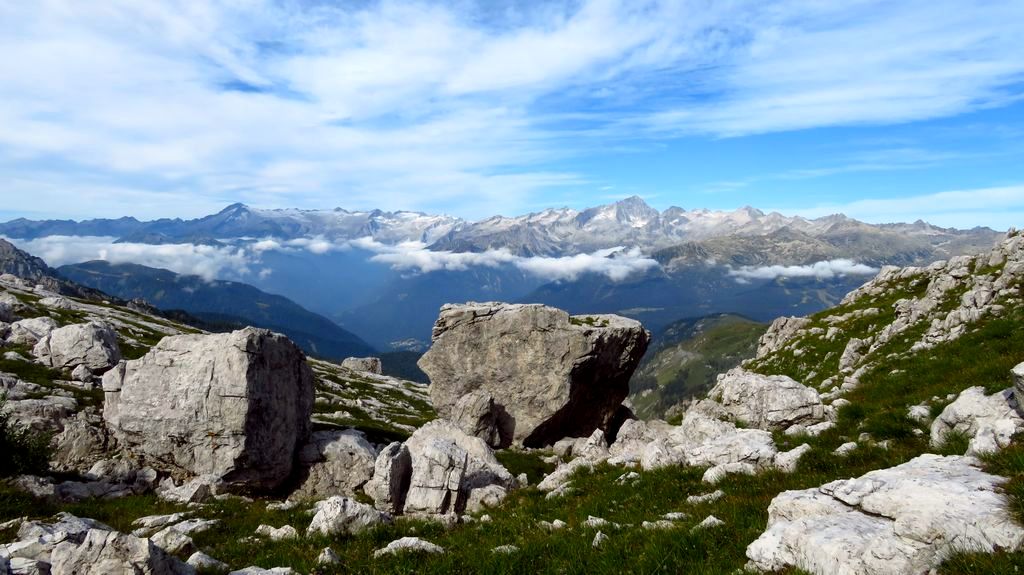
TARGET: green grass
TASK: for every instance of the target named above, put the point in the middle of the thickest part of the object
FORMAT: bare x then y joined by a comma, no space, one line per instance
528,462
22,450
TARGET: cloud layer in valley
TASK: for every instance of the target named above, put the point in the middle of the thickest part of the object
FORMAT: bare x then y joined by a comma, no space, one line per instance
213,262
208,262
821,270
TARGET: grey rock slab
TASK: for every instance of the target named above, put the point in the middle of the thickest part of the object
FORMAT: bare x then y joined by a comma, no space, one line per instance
110,552
554,376
904,519
341,515
92,345
235,405
407,545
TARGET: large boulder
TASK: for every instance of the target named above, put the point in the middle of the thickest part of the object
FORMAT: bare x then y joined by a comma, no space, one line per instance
905,519
30,331
438,471
392,473
337,463
772,402
92,345
341,515
988,421
110,552
552,375
367,364
236,406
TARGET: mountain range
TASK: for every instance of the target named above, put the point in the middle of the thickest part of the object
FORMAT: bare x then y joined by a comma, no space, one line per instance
698,262
553,232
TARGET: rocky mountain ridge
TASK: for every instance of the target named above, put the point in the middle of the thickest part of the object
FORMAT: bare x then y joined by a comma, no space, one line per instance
552,232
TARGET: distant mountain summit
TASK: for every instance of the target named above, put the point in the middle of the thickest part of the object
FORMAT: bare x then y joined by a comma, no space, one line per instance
630,222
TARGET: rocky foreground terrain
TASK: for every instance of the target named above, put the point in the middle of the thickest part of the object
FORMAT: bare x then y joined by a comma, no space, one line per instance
877,437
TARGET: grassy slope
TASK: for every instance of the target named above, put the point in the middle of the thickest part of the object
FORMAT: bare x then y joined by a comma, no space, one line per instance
982,357
688,357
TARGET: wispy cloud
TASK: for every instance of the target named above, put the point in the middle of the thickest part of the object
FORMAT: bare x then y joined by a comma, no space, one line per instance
457,107
998,207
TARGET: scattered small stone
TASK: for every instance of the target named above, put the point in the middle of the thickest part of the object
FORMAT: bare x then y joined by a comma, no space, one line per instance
485,518
203,562
596,522
709,521
282,505
505,549
659,524
627,478
328,557
555,525
408,544
705,498
599,540
845,448
675,516
277,533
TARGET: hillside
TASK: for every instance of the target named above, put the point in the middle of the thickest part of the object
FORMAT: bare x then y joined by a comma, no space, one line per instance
877,436
685,359
221,301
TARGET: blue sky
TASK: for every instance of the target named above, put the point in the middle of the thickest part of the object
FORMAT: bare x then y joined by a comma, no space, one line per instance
888,111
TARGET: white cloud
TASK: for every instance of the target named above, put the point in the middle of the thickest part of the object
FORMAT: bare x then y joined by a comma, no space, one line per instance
615,263
820,270
997,207
209,262
238,261
170,108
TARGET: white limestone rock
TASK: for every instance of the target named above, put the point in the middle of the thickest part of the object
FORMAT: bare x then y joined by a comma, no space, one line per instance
553,375
91,345
408,545
107,552
337,462
391,476
365,364
282,533
30,331
767,401
990,421
234,405
788,460
903,519
341,515
447,466
202,562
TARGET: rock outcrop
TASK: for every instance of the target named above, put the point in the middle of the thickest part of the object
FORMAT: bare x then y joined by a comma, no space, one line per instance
106,552
366,364
91,345
904,519
772,402
30,331
438,471
236,406
553,375
337,463
989,421
341,515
